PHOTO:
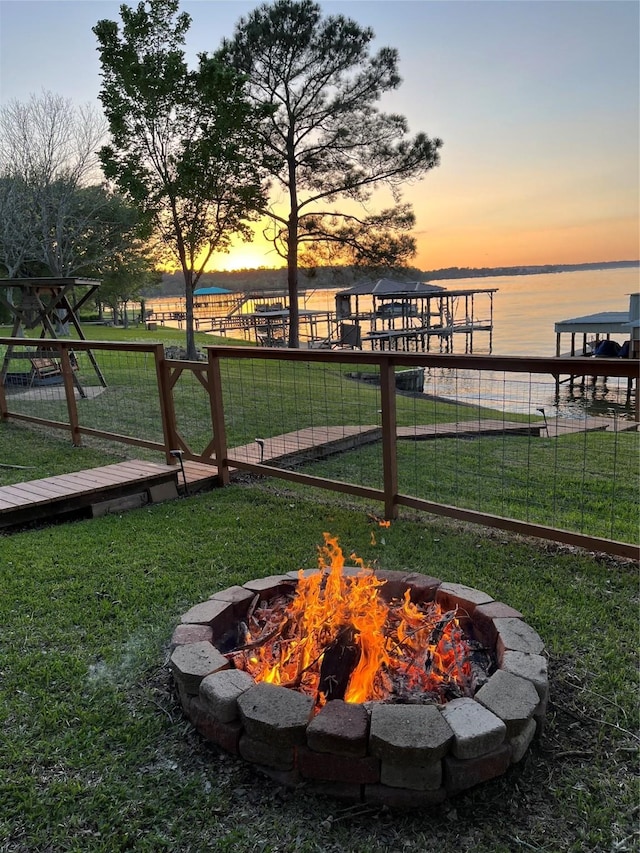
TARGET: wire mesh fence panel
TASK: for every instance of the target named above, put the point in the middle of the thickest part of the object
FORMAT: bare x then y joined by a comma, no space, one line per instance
481,425
286,413
192,409
47,401
115,390
505,455
503,443
360,466
129,402
33,381
483,444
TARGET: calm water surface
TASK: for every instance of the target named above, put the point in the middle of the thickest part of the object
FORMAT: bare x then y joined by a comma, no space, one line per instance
525,309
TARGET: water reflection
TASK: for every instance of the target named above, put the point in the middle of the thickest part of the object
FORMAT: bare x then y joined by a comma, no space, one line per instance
526,394
603,397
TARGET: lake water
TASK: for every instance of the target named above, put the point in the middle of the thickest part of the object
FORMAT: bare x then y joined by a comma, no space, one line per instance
525,309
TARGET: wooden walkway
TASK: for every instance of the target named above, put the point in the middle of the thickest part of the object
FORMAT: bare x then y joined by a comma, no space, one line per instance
552,429
86,493
125,485
468,429
566,426
304,445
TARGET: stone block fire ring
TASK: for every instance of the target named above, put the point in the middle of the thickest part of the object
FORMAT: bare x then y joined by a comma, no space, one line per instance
419,742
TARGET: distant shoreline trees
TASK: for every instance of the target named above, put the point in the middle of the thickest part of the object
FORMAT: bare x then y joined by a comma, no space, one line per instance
329,277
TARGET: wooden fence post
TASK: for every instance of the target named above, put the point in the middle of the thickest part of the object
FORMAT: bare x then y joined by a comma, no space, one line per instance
69,390
4,409
389,454
167,409
217,417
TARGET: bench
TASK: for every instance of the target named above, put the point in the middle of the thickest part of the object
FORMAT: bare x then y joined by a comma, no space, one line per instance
43,369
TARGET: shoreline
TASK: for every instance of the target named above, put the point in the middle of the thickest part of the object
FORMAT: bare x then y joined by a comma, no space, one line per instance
259,274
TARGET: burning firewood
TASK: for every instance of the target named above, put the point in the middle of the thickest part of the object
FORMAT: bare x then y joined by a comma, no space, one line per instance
338,662
336,637
434,641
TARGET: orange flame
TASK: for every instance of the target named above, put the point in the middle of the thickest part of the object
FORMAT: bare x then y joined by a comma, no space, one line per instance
338,616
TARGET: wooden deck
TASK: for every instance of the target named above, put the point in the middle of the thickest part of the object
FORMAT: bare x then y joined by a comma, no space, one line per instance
126,485
86,493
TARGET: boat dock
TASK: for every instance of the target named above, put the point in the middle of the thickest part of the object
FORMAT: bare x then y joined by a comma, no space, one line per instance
419,338
596,329
381,315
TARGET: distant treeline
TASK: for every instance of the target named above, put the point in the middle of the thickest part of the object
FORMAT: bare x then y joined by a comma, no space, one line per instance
473,272
264,279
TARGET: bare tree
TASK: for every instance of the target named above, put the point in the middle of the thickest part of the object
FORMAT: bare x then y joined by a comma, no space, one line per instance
17,226
48,152
48,138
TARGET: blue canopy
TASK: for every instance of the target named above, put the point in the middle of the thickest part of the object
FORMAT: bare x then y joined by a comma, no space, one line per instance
210,291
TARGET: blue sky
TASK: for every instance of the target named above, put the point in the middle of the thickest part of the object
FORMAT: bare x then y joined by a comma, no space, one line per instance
537,104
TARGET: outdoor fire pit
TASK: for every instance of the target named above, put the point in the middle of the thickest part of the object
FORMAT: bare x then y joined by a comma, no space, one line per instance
382,687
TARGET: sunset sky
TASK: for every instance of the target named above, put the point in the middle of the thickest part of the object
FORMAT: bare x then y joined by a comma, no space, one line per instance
537,104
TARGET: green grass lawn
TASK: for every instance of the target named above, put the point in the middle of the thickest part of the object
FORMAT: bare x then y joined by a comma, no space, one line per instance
587,482
95,754
31,454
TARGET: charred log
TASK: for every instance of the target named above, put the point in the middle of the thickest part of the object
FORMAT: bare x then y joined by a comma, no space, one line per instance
338,662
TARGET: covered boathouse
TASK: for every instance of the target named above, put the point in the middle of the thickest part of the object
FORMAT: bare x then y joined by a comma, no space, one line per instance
595,329
412,315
